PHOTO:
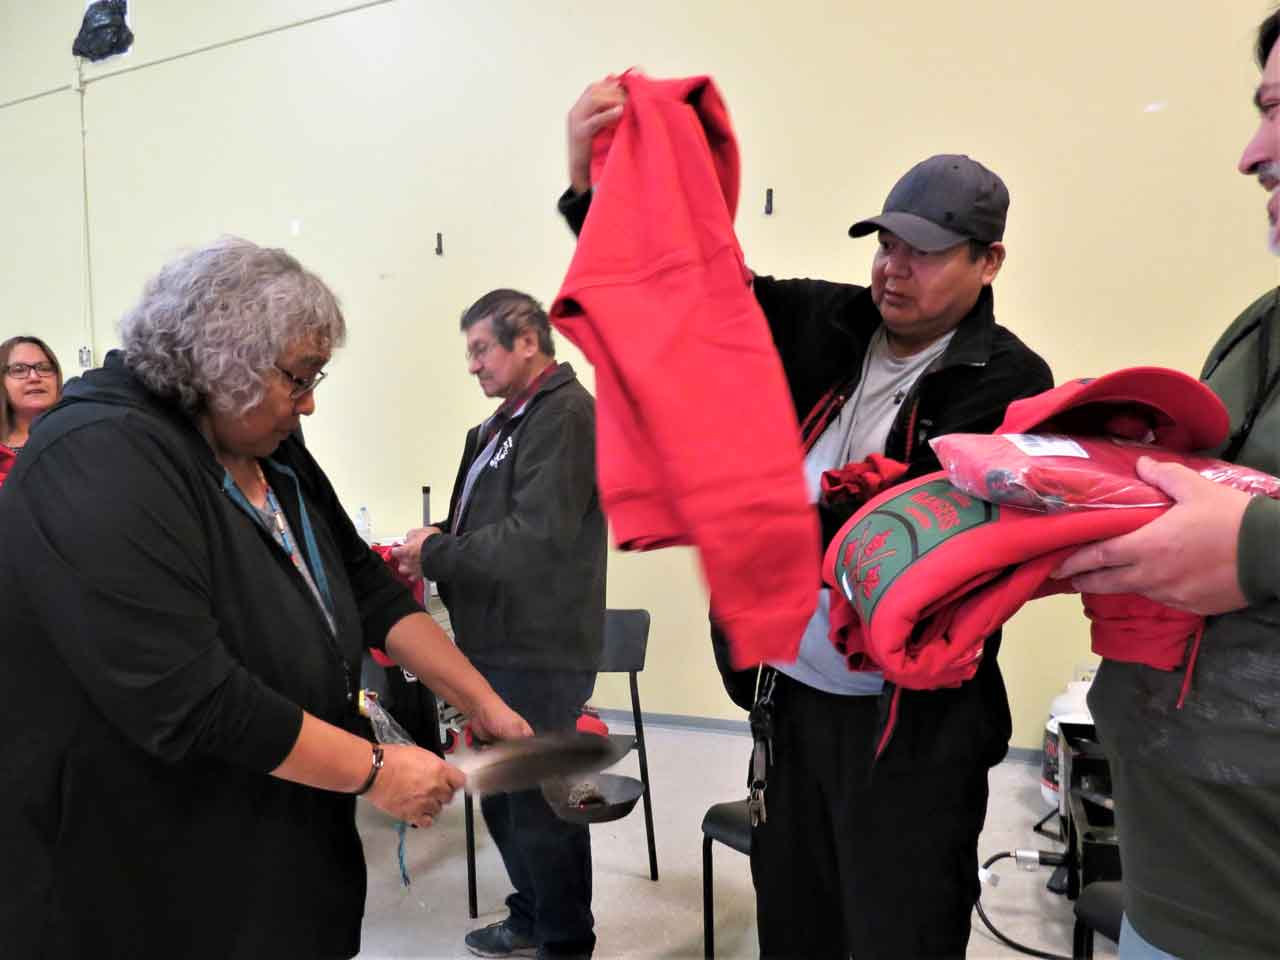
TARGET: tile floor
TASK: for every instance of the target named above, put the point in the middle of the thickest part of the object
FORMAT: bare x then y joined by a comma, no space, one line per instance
690,769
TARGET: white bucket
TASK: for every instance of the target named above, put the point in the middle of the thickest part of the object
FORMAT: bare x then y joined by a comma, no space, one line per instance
1070,706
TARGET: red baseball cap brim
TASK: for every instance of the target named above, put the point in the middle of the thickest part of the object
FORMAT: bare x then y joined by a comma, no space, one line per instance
1184,413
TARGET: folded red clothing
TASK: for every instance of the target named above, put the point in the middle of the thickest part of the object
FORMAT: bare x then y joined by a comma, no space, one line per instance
930,572
417,587
856,483
1050,473
925,572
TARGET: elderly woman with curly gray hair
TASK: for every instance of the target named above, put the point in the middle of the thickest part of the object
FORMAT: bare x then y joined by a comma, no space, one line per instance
185,608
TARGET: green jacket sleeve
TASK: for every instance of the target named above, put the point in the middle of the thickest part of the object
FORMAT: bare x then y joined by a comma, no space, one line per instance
1256,561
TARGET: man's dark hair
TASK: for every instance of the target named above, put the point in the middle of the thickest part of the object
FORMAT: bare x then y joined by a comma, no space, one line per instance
977,250
1268,33
511,311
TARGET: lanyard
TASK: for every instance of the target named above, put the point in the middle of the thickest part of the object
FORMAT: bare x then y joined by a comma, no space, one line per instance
761,719
315,577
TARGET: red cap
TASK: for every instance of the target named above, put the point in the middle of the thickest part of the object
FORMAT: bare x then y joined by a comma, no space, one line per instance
1183,412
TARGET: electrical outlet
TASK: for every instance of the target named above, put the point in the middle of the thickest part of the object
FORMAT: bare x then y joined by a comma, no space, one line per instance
1085,672
86,358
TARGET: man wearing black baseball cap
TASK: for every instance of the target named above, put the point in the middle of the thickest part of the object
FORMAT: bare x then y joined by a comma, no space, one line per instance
947,216
851,855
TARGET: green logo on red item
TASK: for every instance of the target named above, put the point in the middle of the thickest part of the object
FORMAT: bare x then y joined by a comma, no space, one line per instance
877,549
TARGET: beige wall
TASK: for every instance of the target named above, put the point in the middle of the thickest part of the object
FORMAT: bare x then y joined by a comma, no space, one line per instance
354,138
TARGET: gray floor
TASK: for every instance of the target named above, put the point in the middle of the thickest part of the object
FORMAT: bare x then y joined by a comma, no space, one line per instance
689,769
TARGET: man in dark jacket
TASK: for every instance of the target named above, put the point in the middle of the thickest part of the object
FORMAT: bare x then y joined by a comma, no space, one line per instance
520,561
878,860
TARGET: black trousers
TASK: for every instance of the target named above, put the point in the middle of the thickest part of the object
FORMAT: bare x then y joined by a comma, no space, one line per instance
547,859
875,861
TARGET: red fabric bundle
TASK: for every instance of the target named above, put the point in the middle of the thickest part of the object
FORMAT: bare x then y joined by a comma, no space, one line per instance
928,571
691,399
1051,473
7,460
417,587
856,483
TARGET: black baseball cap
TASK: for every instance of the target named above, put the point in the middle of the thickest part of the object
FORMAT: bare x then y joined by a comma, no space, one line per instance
941,202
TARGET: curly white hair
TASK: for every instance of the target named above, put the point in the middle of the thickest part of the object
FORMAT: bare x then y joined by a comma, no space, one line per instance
212,322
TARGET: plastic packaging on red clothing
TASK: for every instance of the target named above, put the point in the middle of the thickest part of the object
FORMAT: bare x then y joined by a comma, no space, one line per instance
1051,473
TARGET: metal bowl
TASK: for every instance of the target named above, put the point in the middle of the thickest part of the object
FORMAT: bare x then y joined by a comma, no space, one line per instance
620,795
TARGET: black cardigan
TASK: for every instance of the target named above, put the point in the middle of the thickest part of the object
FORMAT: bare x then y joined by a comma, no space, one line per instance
159,649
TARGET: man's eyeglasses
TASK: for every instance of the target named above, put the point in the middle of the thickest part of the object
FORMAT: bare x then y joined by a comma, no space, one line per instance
477,353
20,371
481,350
301,387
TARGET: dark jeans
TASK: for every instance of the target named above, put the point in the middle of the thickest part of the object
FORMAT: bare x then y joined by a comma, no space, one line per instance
547,859
878,862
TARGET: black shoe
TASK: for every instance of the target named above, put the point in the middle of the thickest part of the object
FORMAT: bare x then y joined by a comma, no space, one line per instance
577,950
499,940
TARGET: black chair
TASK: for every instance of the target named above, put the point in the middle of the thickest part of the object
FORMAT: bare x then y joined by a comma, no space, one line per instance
626,639
730,823
1099,909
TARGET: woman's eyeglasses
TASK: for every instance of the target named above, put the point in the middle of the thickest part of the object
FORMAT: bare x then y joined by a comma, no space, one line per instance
20,371
301,387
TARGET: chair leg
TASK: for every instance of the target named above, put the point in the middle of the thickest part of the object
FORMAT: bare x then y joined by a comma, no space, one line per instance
1081,941
708,911
471,854
644,778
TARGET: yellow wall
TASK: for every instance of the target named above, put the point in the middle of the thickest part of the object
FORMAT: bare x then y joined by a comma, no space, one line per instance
356,136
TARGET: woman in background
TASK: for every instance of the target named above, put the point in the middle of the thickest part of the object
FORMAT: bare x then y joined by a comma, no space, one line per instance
32,383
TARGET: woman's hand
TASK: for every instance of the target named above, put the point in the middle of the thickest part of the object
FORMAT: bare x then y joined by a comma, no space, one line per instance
414,784
496,721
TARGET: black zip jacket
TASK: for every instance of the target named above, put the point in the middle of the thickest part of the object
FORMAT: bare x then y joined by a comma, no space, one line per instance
157,651
822,331
523,575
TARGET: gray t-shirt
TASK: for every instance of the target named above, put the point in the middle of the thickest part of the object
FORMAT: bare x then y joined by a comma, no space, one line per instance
860,430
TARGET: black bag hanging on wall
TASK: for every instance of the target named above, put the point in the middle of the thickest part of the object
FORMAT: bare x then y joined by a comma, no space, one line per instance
103,33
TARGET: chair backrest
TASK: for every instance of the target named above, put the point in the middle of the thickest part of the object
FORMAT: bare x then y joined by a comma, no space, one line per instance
626,636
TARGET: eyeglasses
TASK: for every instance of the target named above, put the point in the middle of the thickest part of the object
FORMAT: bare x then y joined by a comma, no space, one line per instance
301,387
477,353
20,371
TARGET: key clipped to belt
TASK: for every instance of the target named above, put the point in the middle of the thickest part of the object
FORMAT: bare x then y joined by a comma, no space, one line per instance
761,719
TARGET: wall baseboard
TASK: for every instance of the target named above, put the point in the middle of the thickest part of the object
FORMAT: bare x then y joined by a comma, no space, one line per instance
679,721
